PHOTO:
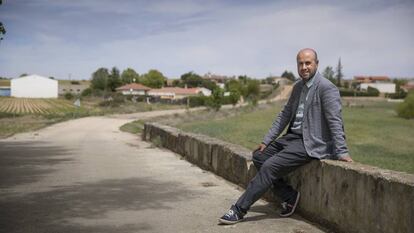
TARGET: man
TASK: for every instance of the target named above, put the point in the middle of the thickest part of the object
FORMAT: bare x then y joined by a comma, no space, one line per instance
315,131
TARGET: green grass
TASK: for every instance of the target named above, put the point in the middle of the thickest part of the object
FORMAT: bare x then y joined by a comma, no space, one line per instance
134,127
375,135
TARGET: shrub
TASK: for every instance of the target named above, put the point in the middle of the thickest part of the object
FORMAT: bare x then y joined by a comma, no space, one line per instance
406,109
68,96
373,91
87,92
195,101
351,92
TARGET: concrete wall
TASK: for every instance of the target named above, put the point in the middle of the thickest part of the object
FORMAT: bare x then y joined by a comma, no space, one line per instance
347,197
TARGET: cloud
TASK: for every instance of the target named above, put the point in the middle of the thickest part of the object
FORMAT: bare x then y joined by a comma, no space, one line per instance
220,37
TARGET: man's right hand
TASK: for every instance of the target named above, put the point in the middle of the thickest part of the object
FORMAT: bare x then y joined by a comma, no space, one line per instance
261,147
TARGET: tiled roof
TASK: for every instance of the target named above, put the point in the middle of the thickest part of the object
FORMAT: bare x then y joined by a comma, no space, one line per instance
133,86
373,78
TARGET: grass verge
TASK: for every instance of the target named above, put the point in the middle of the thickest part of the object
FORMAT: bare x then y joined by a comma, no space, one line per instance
375,135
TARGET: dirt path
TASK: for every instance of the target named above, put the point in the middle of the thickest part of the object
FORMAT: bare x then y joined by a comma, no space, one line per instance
87,176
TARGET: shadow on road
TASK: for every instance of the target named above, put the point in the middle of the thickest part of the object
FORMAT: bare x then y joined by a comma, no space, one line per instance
27,162
52,211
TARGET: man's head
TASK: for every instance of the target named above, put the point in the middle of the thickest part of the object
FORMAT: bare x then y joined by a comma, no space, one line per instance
307,61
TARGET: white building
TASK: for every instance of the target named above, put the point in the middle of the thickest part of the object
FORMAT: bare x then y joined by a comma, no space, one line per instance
382,87
34,86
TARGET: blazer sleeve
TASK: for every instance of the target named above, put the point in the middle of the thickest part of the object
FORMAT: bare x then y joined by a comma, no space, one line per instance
332,110
281,121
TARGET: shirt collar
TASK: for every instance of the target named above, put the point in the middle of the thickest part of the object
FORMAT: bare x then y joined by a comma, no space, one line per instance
311,81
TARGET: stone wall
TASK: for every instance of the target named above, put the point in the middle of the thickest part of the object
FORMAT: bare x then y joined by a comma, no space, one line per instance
347,197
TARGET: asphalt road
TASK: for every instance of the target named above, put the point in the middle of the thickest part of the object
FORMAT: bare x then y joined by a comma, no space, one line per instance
85,175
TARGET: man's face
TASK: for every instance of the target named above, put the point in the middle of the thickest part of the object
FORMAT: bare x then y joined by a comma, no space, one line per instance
307,64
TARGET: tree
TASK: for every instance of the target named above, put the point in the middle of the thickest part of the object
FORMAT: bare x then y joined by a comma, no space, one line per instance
154,79
2,29
114,79
406,109
100,79
339,74
209,84
329,74
129,76
191,79
253,91
214,101
289,75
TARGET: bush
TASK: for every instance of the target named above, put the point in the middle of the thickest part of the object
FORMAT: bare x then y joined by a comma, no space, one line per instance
373,91
351,92
195,101
68,96
406,109
87,92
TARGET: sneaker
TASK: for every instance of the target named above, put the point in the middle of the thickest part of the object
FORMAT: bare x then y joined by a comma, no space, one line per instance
231,217
288,207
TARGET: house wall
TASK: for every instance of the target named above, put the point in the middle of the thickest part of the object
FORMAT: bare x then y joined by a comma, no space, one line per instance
382,87
34,86
134,92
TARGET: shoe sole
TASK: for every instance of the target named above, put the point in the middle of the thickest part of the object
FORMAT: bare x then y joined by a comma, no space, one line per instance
226,222
293,208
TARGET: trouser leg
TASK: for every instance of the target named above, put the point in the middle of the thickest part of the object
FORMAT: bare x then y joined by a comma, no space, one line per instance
271,169
279,187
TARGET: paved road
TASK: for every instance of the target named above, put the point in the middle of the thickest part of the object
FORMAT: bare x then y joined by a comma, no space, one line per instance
87,176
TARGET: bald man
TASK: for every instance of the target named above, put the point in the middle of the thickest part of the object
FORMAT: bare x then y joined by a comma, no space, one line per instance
315,130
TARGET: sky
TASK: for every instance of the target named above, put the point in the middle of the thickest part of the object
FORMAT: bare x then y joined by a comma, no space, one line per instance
72,39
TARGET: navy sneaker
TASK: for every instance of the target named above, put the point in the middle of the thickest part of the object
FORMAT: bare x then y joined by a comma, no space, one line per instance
288,207
231,217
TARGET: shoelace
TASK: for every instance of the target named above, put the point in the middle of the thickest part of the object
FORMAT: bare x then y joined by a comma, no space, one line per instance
230,213
285,205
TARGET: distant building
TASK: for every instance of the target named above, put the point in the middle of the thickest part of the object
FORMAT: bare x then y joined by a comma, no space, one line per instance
5,91
34,86
134,89
217,78
174,93
74,87
382,87
408,86
372,79
382,83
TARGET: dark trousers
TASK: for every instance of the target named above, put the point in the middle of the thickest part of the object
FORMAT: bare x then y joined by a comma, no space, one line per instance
278,159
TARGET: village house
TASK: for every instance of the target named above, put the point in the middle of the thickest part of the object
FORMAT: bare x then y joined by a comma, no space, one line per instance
134,89
176,93
382,83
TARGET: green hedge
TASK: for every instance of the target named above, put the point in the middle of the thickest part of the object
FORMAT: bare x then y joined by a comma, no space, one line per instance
406,109
351,92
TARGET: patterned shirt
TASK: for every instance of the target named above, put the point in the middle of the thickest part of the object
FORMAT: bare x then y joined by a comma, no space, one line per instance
297,123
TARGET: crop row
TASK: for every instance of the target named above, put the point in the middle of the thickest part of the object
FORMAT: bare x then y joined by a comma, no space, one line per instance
34,106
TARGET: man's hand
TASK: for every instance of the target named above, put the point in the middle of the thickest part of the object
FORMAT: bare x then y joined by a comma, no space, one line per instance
346,158
261,147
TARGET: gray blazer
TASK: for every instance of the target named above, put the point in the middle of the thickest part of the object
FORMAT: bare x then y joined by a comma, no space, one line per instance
322,126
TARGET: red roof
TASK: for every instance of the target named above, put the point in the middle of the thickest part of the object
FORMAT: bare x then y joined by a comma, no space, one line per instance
177,90
371,78
133,86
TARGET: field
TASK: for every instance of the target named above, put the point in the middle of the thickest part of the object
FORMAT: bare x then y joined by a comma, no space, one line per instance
375,135
23,114
34,106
